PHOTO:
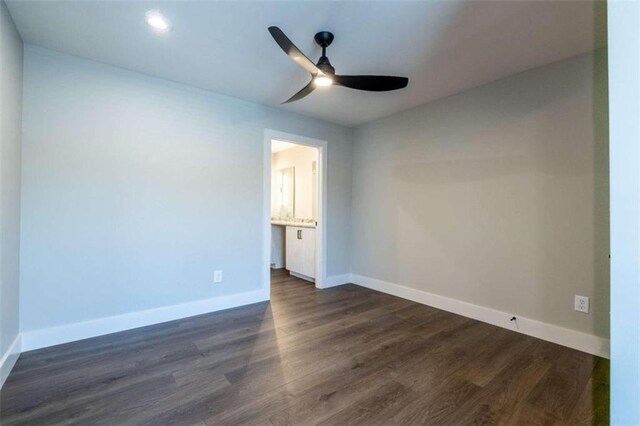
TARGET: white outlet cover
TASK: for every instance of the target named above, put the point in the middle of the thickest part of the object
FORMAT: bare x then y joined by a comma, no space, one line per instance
581,304
217,276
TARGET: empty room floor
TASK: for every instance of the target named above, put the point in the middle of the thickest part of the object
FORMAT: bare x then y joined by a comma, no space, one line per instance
336,356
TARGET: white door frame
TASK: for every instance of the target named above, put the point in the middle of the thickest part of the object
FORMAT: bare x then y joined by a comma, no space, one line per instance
321,229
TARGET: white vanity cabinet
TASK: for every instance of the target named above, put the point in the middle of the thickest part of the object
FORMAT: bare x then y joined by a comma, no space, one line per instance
301,251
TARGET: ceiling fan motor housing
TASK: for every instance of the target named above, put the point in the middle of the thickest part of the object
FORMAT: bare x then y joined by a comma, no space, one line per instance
325,66
324,39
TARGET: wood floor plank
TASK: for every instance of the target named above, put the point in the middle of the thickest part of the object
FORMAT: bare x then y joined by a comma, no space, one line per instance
593,404
376,406
559,391
346,355
505,391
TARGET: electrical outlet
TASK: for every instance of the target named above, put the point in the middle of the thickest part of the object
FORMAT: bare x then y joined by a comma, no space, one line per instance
581,304
217,276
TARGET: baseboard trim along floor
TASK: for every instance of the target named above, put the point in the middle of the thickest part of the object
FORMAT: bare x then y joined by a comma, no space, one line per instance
336,280
42,338
552,333
9,359
37,339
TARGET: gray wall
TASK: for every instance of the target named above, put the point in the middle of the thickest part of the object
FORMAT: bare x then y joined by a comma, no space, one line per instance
497,196
136,189
11,113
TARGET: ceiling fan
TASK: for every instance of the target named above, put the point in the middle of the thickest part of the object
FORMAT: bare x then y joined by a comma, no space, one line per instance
323,73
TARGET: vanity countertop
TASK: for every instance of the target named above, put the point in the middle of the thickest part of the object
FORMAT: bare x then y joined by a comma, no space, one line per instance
294,222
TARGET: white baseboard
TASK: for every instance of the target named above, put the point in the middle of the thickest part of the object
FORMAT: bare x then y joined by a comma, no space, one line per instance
336,280
37,339
302,277
42,338
9,359
562,336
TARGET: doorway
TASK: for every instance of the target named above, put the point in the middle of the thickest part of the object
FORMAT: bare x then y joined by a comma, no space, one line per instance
294,207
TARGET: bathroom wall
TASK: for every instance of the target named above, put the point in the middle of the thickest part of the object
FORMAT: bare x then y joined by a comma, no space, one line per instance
301,159
278,254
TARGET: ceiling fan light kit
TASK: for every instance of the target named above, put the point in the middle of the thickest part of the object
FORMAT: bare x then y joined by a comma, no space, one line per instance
322,81
323,73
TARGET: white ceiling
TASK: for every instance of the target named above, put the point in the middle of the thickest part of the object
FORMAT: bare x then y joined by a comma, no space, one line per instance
279,146
444,47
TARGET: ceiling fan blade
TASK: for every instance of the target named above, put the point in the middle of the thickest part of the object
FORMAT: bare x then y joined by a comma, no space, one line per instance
291,50
302,93
372,83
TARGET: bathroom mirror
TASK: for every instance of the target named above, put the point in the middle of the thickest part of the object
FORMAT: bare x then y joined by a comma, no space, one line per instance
285,192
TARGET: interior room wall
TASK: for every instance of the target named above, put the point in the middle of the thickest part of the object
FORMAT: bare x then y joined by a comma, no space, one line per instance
10,137
624,106
301,159
135,189
497,196
278,254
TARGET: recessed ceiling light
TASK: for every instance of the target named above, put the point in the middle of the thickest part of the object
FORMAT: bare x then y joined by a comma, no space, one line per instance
157,21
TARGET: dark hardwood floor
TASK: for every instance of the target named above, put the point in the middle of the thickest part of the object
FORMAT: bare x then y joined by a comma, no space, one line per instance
346,355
